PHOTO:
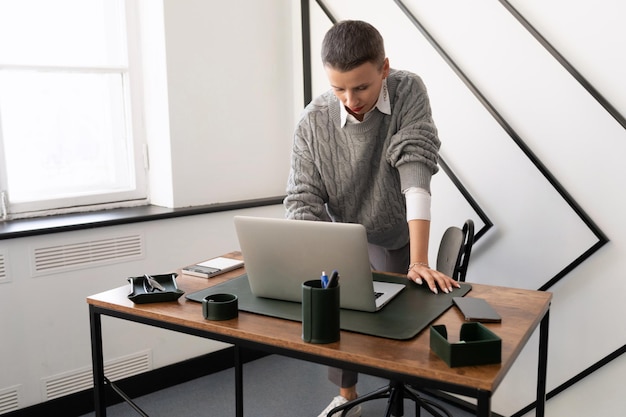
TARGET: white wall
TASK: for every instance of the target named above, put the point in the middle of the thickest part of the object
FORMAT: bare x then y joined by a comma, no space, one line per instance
536,234
219,118
44,322
229,78
227,74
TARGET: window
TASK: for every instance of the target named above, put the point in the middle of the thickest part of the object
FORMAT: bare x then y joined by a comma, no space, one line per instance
67,137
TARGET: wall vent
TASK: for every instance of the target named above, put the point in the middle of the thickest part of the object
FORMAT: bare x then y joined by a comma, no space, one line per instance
68,383
9,399
4,275
79,255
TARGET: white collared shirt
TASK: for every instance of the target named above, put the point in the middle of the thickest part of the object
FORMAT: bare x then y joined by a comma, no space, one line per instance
383,104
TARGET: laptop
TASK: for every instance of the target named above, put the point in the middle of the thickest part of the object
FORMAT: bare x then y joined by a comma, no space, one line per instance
281,254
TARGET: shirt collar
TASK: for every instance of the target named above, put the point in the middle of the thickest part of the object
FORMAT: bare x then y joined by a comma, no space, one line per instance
383,105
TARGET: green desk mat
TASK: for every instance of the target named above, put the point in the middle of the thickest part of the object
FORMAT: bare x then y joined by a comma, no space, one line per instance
411,311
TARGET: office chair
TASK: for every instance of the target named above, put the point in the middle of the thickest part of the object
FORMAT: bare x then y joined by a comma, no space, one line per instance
455,249
452,259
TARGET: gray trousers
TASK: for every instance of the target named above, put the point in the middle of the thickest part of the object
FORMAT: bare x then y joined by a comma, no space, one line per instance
385,260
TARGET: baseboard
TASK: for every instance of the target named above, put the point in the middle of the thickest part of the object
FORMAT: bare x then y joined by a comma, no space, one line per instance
81,403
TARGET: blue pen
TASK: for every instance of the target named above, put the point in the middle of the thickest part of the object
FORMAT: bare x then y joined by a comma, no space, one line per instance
324,279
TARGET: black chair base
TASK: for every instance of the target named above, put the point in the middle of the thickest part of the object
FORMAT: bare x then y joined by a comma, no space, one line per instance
396,392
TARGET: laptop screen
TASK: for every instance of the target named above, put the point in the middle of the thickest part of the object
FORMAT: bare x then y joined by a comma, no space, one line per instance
281,254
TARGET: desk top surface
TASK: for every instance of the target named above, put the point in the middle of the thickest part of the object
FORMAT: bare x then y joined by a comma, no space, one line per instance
521,312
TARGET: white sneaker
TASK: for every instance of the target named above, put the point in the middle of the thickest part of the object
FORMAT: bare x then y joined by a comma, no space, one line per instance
336,402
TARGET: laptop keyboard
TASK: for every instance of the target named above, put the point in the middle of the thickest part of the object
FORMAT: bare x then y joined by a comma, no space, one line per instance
377,294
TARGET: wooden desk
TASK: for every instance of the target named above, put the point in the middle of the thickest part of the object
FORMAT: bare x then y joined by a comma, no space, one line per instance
409,361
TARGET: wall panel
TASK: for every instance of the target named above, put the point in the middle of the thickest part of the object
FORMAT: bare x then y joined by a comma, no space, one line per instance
529,143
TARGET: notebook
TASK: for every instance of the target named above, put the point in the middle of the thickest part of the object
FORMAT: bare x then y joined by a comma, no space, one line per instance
281,254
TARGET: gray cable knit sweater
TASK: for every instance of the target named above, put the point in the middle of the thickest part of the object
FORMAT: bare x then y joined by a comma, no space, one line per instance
356,174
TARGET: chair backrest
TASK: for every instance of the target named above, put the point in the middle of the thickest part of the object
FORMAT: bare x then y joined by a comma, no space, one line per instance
455,249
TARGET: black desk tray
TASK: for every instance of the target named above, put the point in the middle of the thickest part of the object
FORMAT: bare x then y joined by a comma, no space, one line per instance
140,294
477,346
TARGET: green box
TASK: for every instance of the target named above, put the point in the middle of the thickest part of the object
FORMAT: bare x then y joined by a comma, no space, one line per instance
477,346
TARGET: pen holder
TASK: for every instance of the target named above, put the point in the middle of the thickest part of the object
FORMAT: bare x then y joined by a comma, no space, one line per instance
220,307
320,312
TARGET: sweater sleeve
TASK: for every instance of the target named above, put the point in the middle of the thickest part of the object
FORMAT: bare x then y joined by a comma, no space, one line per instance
306,195
414,148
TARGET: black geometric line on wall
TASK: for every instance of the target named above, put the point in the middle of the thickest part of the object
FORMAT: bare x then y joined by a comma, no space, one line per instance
622,121
469,198
591,369
565,63
306,62
602,238
305,24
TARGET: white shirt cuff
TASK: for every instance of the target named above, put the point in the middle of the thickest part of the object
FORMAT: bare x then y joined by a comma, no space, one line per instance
417,204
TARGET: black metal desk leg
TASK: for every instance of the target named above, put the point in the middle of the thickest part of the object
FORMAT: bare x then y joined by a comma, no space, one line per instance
97,362
543,365
483,405
238,382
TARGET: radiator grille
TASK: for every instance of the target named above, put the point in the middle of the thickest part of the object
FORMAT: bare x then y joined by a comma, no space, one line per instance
9,400
84,254
69,383
3,271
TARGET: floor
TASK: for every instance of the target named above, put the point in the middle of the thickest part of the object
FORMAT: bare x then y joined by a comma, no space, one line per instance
273,386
